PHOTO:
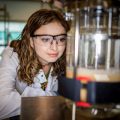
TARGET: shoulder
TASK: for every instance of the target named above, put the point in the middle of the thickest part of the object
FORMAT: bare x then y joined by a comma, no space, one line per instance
8,51
8,54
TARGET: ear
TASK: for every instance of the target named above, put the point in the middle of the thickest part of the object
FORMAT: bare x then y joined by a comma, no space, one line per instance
31,42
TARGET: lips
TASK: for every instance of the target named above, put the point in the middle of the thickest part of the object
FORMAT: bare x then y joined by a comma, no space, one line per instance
53,54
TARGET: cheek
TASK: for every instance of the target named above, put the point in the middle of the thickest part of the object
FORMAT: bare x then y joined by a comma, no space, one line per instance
61,50
40,49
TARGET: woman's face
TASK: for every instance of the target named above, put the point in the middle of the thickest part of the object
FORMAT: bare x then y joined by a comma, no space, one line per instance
49,42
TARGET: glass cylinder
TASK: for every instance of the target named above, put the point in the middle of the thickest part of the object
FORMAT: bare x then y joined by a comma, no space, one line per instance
93,49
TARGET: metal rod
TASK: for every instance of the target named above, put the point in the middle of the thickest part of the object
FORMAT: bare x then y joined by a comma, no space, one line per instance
73,111
109,40
76,47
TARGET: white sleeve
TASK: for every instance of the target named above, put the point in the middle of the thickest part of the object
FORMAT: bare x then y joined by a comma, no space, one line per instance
36,90
10,99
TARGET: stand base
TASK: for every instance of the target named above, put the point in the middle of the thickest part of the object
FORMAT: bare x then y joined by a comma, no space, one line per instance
97,92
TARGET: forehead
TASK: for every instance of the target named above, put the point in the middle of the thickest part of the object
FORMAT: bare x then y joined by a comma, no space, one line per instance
52,28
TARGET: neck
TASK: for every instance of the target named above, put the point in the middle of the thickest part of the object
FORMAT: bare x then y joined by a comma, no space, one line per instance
46,68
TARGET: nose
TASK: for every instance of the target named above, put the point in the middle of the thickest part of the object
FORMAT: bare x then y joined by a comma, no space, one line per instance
54,45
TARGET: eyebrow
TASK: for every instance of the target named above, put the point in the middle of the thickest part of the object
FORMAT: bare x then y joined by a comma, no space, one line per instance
48,35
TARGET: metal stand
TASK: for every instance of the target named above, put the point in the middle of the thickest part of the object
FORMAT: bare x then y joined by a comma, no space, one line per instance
73,111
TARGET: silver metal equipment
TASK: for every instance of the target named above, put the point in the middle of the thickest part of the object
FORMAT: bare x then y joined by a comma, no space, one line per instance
93,56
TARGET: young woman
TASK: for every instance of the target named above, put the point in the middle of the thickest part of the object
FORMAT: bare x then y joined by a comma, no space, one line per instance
30,67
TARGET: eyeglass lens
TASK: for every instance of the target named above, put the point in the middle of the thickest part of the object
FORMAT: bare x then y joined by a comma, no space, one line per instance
48,40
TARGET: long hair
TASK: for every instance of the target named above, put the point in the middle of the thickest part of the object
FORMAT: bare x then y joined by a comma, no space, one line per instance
29,65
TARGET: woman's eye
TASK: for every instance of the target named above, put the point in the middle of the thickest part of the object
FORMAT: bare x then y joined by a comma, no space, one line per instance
62,39
45,39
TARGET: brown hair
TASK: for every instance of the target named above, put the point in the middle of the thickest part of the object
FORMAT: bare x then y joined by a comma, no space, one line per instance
29,64
14,43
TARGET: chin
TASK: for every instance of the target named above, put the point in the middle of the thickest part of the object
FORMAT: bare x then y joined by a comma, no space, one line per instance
52,61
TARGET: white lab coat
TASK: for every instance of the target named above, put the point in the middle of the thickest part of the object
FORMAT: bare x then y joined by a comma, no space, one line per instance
11,89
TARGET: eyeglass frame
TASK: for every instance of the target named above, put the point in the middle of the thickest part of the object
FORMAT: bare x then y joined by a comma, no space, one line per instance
54,36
